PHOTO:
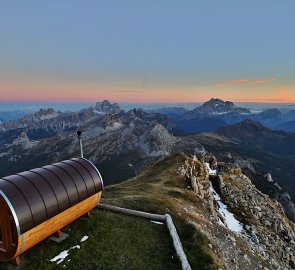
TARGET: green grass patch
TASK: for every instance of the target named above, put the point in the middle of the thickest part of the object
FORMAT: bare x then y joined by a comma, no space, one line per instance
118,241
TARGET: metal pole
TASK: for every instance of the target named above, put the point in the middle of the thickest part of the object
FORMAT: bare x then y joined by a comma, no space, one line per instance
79,133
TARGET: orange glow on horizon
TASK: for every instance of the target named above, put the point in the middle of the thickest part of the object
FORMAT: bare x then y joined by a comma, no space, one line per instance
91,92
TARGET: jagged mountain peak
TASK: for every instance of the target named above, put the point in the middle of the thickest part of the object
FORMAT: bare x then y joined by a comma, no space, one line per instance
106,107
219,106
139,114
40,115
218,102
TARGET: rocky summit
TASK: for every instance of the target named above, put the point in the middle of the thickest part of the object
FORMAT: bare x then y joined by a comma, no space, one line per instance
107,108
218,106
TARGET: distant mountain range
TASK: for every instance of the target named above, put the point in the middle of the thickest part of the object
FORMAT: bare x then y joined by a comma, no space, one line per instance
113,139
252,134
258,151
217,113
123,144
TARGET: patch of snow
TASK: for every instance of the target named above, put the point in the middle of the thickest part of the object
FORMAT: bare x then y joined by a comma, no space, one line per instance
158,153
231,222
97,112
219,113
114,126
48,116
151,152
84,238
255,111
211,172
157,222
61,256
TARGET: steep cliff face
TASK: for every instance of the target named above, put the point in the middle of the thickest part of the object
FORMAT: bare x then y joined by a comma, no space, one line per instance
266,184
247,229
272,235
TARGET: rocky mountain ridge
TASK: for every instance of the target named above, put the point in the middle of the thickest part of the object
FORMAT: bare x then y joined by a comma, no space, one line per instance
114,140
261,153
47,123
252,133
266,232
124,145
218,106
216,113
111,141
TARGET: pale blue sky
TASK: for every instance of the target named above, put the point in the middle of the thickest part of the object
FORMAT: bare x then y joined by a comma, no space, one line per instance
155,43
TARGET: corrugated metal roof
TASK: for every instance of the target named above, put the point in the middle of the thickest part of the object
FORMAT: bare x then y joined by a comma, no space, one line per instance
39,194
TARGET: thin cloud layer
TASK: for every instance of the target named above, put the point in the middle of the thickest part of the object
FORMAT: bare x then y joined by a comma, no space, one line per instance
243,82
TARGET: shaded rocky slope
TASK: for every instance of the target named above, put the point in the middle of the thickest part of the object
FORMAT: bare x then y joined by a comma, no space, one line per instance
120,144
271,172
253,134
287,126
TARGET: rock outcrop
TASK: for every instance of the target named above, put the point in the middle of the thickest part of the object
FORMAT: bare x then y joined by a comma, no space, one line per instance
23,141
272,234
266,184
105,107
267,239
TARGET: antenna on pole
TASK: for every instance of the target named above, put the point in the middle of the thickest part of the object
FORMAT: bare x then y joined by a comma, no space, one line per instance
79,133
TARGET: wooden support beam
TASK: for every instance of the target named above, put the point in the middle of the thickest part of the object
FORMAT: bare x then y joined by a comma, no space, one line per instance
131,212
86,215
58,234
177,243
16,261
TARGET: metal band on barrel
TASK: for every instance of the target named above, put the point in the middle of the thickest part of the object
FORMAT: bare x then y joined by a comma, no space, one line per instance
95,170
12,211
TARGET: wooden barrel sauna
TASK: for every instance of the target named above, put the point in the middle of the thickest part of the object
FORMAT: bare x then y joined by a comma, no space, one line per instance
36,204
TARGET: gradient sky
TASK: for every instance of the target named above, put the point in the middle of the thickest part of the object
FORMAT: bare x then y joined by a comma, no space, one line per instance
147,51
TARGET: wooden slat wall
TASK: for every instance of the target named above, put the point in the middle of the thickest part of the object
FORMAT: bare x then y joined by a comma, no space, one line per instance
40,232
49,227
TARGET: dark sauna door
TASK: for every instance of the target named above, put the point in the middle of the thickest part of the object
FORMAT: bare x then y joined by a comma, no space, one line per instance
7,237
